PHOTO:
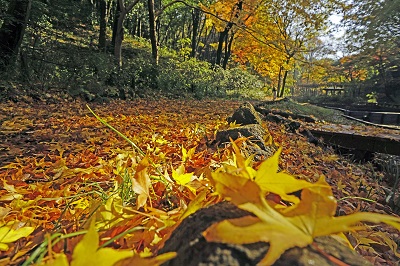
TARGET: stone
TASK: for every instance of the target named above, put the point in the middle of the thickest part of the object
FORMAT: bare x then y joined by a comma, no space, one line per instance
245,115
255,132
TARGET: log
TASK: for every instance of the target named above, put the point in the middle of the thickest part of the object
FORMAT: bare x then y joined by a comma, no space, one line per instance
193,249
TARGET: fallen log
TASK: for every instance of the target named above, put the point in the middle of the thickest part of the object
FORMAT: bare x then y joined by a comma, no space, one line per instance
193,249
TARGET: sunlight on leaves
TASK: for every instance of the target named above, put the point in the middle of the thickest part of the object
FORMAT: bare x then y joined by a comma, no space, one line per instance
9,235
283,228
180,176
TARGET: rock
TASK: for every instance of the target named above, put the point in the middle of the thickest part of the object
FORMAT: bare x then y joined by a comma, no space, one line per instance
193,249
259,143
255,132
245,115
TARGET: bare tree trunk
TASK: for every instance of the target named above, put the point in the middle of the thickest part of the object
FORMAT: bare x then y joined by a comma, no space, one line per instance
153,34
119,37
278,87
228,49
224,34
103,25
117,9
221,40
196,22
283,84
121,13
12,31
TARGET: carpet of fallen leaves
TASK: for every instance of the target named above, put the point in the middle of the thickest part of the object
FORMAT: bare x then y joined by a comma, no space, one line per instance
61,168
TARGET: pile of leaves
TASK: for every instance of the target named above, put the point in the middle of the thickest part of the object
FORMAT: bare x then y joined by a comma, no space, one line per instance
75,192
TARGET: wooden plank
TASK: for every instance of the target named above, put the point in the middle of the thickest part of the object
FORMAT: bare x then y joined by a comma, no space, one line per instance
360,142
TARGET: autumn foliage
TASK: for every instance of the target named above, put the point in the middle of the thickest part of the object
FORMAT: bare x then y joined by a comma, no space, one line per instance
75,192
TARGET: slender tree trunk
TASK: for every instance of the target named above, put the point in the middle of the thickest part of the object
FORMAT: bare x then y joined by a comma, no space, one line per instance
278,87
221,40
117,11
153,34
12,31
103,25
228,51
196,22
283,83
119,38
224,34
121,13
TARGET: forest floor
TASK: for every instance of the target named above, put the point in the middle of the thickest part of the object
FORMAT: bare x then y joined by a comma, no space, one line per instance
59,166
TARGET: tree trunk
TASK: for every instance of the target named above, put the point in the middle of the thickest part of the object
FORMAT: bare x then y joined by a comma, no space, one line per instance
119,35
221,40
196,21
228,51
103,25
278,87
117,11
153,34
118,32
283,84
223,35
12,31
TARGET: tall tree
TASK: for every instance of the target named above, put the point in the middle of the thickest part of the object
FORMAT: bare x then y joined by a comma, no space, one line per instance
12,31
152,31
103,24
118,34
373,32
196,15
284,29
234,15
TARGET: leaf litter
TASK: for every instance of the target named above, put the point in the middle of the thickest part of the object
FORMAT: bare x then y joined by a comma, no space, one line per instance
70,184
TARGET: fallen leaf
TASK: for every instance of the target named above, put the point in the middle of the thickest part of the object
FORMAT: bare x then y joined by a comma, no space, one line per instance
87,251
141,182
283,228
180,176
9,235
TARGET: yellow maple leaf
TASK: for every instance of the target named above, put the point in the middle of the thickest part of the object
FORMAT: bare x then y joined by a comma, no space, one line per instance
280,183
187,154
266,177
87,251
180,176
9,235
283,228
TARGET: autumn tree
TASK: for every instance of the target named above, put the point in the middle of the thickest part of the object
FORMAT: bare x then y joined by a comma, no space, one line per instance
280,34
226,17
373,32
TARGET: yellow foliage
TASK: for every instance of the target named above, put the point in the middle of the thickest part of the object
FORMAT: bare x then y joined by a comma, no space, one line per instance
282,227
87,251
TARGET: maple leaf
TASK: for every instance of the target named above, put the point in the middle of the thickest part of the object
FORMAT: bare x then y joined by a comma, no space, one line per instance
187,154
9,235
266,177
87,251
283,228
180,176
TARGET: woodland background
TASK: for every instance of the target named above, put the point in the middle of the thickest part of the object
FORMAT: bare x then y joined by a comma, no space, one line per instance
105,48
167,75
